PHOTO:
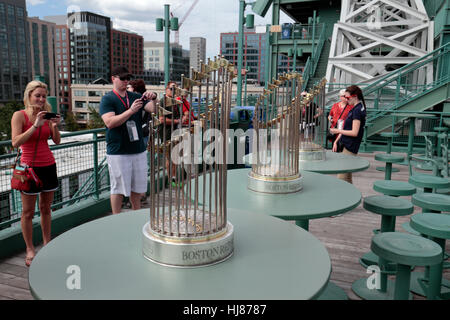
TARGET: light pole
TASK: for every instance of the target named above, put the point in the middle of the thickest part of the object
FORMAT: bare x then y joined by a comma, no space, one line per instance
248,20
166,24
247,69
314,20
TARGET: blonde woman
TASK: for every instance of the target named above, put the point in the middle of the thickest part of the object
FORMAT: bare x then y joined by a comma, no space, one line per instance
30,131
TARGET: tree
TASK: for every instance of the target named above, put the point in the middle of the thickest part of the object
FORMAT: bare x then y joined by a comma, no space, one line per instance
71,122
95,120
6,113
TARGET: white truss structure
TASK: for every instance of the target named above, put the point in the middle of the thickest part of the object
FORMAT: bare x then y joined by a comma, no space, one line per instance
374,37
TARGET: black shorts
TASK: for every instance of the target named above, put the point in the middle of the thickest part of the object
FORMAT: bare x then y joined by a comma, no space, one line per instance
48,177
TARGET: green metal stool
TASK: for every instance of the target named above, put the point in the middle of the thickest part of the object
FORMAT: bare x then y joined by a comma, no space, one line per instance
432,202
390,136
429,202
394,188
389,159
405,250
439,131
430,143
430,283
389,208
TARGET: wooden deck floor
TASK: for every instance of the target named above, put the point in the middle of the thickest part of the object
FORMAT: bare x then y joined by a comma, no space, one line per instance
346,238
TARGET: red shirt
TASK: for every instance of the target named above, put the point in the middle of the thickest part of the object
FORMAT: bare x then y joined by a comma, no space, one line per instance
336,111
44,157
186,108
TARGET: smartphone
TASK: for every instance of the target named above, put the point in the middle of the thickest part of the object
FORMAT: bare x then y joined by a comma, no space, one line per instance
50,115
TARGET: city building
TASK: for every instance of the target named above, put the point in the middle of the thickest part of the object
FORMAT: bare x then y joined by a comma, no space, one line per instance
42,47
197,48
127,49
15,61
63,62
90,95
154,59
90,37
254,57
153,76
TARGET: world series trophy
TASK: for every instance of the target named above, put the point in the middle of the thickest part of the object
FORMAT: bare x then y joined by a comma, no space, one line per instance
183,231
275,160
313,122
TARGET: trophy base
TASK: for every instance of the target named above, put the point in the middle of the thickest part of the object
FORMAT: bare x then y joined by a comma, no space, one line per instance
189,252
275,185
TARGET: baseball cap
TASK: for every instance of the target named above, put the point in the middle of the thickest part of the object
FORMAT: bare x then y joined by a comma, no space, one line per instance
121,71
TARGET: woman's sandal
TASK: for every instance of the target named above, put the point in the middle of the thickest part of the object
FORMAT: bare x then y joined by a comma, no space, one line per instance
28,261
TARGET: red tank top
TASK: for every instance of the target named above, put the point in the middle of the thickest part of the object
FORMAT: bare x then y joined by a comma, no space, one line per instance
44,157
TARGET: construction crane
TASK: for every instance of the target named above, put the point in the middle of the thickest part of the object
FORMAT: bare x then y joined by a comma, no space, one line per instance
177,35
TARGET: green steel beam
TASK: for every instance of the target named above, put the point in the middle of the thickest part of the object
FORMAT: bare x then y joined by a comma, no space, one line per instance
438,95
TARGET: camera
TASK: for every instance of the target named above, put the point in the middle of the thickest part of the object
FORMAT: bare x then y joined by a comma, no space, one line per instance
50,115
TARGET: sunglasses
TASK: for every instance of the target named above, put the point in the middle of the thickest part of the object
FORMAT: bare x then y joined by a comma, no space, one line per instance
124,78
349,97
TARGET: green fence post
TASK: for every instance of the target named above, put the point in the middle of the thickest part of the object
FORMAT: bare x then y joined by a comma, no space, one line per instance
95,157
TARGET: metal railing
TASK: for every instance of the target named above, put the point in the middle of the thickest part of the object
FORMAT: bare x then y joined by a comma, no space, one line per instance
82,173
313,60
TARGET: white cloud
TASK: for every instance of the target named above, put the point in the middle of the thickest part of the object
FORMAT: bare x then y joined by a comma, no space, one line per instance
208,18
35,2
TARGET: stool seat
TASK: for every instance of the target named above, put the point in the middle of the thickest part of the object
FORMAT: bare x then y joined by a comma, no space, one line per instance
390,134
388,157
432,201
406,249
429,181
432,224
389,206
394,188
442,135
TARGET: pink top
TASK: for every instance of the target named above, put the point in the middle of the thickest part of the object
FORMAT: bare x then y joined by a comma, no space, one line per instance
44,157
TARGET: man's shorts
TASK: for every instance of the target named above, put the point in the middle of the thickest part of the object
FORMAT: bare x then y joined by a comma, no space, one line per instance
128,173
48,177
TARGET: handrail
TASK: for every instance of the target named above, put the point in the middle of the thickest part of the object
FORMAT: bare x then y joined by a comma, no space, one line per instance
400,70
77,161
310,67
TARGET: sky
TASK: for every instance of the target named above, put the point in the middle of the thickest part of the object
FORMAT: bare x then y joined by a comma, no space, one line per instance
208,18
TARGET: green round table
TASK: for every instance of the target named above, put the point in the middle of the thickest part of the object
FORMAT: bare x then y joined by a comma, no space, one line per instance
334,163
272,259
322,196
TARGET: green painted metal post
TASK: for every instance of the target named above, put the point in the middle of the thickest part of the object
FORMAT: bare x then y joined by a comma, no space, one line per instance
435,273
274,45
52,101
294,68
268,54
303,224
240,52
384,276
402,281
95,157
313,38
245,87
412,129
166,44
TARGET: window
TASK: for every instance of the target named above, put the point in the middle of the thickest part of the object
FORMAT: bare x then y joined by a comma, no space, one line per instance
80,104
94,94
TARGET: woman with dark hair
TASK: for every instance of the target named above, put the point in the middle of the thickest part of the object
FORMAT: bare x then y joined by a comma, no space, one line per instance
352,133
